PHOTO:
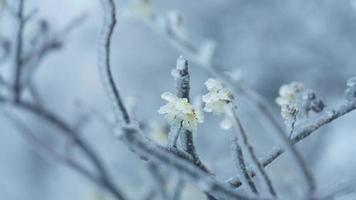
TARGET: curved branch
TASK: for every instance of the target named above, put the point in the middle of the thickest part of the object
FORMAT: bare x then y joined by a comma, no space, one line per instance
104,60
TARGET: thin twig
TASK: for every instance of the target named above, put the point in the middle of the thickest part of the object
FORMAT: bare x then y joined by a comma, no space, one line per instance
18,50
252,153
173,136
32,59
239,160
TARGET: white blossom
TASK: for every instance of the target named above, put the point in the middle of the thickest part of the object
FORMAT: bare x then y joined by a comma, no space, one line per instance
218,101
287,99
179,112
288,93
217,98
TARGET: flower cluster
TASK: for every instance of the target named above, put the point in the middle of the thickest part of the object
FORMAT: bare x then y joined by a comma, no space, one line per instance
218,101
288,99
179,112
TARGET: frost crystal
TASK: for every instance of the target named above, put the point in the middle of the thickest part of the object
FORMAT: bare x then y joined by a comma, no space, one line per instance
179,112
217,101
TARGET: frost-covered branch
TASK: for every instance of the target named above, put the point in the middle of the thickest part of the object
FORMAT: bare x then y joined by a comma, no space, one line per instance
303,132
132,136
181,76
104,60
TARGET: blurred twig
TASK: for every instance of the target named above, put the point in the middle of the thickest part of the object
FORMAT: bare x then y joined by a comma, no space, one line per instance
68,131
159,179
18,62
239,160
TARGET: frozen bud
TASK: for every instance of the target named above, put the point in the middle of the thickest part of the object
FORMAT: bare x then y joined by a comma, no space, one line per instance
179,112
312,102
350,91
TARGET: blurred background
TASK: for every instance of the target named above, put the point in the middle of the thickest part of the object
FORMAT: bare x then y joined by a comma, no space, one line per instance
263,43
